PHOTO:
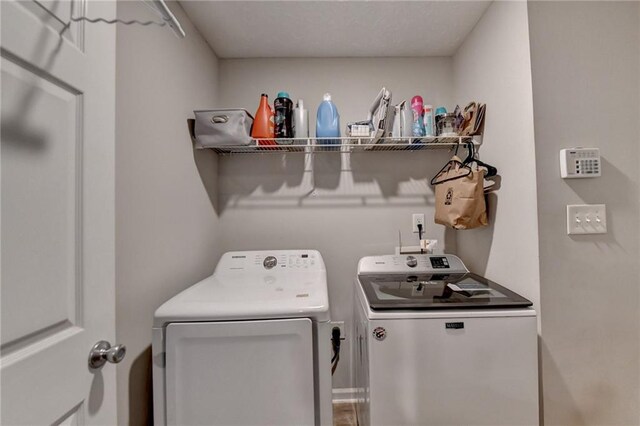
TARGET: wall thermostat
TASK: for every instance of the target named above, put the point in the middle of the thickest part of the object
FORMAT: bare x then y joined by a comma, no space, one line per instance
580,163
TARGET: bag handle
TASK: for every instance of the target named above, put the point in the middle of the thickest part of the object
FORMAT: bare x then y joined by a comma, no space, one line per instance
447,167
219,119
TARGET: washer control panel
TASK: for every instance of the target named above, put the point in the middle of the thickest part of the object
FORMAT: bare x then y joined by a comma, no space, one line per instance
439,262
419,263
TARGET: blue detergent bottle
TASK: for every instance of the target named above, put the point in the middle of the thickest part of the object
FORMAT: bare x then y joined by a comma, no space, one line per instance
327,122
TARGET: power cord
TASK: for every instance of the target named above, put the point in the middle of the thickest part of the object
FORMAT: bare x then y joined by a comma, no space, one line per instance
420,238
335,343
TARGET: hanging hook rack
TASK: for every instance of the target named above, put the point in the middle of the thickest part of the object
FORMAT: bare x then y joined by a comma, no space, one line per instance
159,6
169,18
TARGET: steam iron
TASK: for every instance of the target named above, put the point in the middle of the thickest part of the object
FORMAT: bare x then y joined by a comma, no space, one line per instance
380,116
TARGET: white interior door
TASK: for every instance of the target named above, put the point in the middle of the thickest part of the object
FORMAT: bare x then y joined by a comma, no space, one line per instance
57,214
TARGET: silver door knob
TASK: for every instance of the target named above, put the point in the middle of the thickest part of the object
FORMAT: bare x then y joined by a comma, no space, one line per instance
103,352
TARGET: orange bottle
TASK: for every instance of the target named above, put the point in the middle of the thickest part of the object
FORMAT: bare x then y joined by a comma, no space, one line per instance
263,123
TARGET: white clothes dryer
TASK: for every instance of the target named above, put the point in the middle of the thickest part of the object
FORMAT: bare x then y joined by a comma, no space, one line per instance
249,345
438,345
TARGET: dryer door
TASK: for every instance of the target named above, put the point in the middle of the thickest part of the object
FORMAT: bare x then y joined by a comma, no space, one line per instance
240,373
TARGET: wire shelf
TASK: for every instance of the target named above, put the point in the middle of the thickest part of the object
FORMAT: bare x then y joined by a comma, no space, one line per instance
347,145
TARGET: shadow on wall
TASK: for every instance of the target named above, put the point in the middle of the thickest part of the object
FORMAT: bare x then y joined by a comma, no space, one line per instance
593,191
327,170
389,173
205,161
96,393
480,237
570,413
140,390
327,180
540,383
16,128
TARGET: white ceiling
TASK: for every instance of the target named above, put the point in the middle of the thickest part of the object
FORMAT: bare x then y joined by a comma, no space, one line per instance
279,29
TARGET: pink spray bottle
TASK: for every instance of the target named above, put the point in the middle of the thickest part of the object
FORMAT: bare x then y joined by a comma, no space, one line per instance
417,105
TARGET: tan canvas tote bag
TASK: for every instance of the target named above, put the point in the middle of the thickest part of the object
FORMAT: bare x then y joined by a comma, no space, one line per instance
460,202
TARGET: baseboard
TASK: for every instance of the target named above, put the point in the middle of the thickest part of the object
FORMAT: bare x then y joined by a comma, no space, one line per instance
344,395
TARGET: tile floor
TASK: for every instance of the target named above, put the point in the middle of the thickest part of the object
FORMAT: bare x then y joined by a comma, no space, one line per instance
344,414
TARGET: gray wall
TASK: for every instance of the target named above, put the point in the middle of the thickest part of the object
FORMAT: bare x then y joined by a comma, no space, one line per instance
586,93
493,66
166,222
346,208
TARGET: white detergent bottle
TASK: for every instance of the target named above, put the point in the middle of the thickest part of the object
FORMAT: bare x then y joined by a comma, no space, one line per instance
300,120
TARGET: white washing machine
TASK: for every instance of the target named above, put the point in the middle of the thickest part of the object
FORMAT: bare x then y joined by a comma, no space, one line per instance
438,345
249,345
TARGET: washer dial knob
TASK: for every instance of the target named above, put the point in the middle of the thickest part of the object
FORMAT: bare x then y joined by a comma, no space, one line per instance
412,262
270,262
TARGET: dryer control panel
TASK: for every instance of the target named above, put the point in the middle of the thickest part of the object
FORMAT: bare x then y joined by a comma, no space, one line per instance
271,260
306,260
394,264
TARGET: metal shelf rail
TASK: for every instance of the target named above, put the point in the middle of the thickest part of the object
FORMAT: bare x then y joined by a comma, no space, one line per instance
347,145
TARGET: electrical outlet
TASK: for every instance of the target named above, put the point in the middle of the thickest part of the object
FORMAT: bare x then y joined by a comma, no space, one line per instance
418,218
340,325
408,250
425,247
586,219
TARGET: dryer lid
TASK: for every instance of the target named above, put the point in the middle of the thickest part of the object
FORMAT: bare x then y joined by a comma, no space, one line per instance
254,285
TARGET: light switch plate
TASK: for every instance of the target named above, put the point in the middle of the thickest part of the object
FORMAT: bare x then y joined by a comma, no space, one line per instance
586,219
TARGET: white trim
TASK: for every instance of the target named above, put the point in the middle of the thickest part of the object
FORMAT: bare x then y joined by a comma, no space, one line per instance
344,395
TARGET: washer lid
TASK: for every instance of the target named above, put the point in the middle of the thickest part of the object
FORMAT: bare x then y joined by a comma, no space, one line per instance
437,291
252,285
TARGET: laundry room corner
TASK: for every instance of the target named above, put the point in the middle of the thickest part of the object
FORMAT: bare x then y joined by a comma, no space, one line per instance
494,64
167,232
